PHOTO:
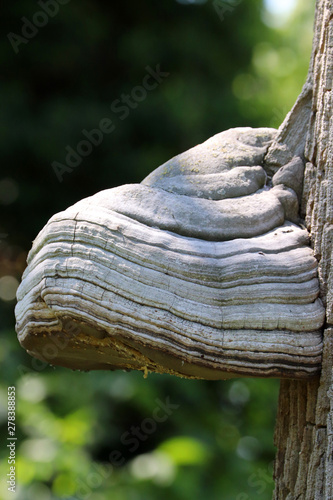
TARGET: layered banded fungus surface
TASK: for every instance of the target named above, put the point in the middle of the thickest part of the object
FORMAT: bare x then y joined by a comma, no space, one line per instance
200,271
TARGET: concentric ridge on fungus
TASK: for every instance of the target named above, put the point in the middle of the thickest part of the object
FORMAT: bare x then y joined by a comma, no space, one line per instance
199,271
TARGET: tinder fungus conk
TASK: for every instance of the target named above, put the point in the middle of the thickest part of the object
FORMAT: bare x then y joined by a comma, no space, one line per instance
200,271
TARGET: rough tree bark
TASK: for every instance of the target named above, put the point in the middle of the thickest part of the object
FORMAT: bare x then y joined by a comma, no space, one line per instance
304,429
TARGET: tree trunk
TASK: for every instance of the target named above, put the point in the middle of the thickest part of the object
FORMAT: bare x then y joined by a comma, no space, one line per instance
304,428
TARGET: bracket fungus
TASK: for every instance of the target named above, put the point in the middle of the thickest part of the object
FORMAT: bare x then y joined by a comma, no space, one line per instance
200,271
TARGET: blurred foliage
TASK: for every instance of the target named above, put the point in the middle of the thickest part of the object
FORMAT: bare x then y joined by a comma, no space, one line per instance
93,435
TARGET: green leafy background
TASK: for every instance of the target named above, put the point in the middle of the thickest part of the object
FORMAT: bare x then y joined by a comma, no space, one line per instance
229,64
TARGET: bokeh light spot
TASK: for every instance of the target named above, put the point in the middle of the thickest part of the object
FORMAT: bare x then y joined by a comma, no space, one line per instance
8,287
31,388
156,466
9,191
277,12
248,448
39,450
280,7
239,393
